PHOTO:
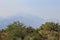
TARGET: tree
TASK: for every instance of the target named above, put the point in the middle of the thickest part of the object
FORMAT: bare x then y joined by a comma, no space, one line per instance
50,30
15,31
18,31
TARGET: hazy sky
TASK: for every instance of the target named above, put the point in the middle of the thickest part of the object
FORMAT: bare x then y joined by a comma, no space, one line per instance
46,9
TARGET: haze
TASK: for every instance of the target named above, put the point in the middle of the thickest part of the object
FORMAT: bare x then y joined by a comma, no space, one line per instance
45,9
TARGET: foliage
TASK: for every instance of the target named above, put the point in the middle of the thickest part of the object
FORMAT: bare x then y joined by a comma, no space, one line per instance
18,31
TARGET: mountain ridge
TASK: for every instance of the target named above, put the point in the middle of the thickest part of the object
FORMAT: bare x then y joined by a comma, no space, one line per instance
27,20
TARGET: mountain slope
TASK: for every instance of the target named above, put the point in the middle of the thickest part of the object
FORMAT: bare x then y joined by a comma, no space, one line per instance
27,20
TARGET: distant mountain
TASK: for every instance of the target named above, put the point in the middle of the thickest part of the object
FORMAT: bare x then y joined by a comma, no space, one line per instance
28,20
53,20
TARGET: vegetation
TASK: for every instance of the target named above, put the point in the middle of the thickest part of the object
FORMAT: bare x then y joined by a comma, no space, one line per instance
18,31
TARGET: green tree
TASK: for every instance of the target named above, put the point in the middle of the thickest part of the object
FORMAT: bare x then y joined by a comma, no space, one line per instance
16,31
50,30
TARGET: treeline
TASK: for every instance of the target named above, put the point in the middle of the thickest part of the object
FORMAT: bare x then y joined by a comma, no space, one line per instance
18,31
